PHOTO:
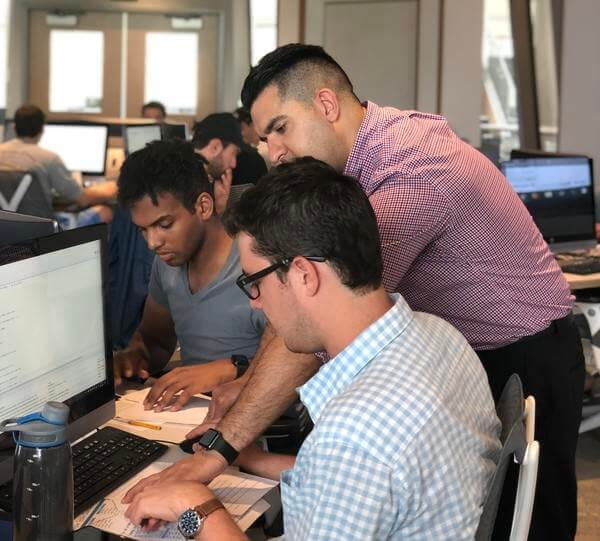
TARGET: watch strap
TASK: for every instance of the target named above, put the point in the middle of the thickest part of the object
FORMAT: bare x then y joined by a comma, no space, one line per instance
208,507
213,440
241,364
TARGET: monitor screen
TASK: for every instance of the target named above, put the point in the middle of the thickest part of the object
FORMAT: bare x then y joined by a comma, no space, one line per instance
559,194
174,131
54,342
136,137
81,146
16,227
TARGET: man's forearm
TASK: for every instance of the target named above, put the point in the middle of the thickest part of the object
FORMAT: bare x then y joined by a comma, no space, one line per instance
269,391
155,353
259,462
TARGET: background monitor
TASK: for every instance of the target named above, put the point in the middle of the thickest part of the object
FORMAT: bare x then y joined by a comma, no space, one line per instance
559,194
54,340
136,137
16,227
173,131
82,146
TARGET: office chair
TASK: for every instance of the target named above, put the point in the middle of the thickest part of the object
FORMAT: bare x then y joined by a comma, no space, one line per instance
587,318
21,191
518,425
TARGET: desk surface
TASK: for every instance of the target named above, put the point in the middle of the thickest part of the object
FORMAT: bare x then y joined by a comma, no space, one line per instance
583,281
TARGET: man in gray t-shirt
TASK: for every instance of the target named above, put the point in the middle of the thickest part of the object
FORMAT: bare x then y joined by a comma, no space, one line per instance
193,297
24,154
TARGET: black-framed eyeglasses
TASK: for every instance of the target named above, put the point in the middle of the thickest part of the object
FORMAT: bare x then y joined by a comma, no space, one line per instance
247,282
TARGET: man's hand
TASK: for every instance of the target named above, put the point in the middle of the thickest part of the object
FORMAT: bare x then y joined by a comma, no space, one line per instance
222,187
202,467
188,381
151,503
223,398
128,363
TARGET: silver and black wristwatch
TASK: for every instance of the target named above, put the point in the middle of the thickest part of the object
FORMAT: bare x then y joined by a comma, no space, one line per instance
191,520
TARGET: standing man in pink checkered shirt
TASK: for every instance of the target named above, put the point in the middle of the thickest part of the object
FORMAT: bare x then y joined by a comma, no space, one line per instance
457,242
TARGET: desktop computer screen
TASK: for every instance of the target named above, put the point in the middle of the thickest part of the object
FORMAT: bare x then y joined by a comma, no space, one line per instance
136,137
54,342
559,194
173,131
81,146
15,227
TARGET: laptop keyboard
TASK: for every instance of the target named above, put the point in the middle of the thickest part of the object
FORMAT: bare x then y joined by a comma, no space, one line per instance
580,265
102,462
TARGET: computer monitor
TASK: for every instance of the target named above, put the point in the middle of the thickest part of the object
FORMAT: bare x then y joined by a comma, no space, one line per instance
16,227
136,137
559,194
82,146
173,131
54,340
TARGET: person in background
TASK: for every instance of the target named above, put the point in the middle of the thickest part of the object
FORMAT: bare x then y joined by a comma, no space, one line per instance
218,140
192,296
242,115
154,110
406,435
24,154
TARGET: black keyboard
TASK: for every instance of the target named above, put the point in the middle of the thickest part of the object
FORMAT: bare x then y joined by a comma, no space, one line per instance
580,265
101,463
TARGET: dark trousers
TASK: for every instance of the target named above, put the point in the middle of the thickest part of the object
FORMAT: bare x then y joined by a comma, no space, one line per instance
551,367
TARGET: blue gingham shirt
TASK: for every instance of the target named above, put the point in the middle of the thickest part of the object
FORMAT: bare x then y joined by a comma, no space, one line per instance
405,439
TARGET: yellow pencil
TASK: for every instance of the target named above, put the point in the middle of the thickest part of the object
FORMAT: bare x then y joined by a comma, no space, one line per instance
142,424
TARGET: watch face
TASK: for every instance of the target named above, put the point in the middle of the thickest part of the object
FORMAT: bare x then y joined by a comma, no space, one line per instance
189,523
208,438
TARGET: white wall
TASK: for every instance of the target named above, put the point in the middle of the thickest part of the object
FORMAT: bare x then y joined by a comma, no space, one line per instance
579,125
234,48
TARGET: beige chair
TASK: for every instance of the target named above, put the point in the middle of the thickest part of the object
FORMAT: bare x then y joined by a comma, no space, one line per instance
517,436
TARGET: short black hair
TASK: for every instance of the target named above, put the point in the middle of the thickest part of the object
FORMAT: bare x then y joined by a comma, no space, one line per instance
222,126
306,207
161,167
29,121
154,105
242,114
297,70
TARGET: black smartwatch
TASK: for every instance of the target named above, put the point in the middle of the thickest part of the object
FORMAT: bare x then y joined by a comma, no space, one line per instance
241,364
213,440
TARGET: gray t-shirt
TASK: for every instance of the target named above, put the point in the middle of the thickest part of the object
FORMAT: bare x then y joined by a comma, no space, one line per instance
217,320
50,170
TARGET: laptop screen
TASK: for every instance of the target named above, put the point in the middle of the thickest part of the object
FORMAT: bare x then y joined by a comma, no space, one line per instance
559,194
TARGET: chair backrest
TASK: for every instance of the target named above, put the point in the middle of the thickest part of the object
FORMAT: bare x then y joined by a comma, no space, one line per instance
510,411
527,478
20,191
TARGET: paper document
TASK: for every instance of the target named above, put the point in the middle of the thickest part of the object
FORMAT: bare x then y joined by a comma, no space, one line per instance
240,493
131,407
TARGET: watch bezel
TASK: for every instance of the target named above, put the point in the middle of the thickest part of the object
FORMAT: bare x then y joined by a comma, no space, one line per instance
188,515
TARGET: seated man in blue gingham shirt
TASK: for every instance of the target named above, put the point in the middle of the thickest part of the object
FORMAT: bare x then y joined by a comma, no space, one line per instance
406,435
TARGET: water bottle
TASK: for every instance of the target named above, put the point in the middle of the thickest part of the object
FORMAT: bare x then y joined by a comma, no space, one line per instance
43,475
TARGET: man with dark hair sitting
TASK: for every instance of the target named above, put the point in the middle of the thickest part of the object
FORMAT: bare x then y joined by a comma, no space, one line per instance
155,110
192,294
406,435
24,154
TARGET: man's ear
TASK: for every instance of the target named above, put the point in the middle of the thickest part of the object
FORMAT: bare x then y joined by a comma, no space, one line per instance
327,103
306,275
205,206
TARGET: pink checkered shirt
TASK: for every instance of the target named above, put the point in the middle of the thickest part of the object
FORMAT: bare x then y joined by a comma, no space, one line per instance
457,241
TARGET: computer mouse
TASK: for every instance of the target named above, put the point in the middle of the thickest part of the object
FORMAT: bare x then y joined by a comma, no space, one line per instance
186,445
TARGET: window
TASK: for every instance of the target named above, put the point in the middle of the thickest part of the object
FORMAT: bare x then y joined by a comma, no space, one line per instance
4,14
544,53
172,71
263,28
76,71
500,119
